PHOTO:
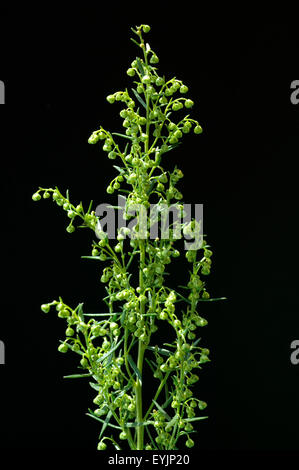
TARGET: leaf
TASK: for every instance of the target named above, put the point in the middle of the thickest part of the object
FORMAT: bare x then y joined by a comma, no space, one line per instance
121,170
196,342
90,206
105,423
171,422
80,312
140,66
94,386
135,42
101,359
161,409
162,351
100,314
137,425
76,376
139,98
122,135
212,300
135,368
151,366
195,419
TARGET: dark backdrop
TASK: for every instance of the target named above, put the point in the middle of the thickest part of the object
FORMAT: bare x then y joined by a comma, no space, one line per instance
58,69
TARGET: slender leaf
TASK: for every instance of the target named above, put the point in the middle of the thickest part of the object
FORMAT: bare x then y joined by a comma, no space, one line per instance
134,367
76,376
106,422
92,415
161,409
162,351
100,314
96,387
80,312
122,135
135,42
101,359
118,168
141,101
195,419
212,300
151,366
140,66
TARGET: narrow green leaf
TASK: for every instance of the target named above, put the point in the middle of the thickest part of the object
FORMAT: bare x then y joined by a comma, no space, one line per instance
90,206
76,376
195,419
135,42
100,314
96,387
140,66
135,368
80,311
162,351
161,409
153,369
106,422
101,359
141,101
212,300
122,135
118,168
92,415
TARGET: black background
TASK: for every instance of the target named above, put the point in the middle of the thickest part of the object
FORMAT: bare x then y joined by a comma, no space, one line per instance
58,68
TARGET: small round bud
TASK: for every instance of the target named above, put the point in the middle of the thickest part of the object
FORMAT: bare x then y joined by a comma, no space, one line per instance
197,129
102,446
189,443
110,98
189,103
146,79
63,348
36,197
131,72
45,308
146,28
183,89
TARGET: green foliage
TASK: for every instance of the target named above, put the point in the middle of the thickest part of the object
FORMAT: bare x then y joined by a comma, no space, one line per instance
115,347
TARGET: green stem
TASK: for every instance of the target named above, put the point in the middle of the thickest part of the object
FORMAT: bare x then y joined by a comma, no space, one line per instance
138,392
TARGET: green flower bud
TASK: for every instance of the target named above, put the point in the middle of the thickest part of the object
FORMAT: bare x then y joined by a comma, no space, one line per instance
70,228
189,103
69,331
154,59
146,28
110,98
102,446
146,79
198,129
189,443
45,308
63,348
131,72
183,89
36,197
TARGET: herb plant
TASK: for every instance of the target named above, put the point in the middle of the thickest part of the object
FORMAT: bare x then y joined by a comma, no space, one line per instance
122,348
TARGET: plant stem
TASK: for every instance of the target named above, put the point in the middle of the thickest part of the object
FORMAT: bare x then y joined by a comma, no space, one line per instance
138,391
141,349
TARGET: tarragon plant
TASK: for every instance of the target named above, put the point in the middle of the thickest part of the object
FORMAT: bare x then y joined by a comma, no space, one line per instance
121,349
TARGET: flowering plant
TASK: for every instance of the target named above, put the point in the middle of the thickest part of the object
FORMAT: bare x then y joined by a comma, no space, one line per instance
121,348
